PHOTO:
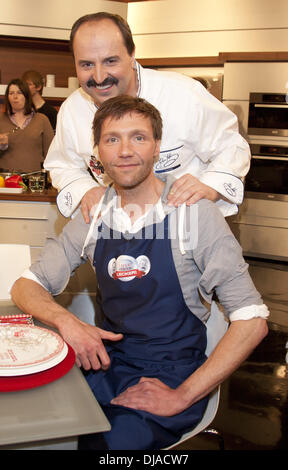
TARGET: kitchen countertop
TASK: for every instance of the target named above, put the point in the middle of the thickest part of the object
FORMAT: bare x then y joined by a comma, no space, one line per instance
45,416
49,195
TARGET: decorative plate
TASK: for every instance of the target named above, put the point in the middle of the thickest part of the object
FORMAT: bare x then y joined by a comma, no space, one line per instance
26,349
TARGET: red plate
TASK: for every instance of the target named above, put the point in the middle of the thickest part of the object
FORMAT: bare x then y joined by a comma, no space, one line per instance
23,382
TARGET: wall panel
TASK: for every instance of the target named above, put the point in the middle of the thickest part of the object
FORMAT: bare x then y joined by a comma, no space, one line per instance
183,28
49,19
209,43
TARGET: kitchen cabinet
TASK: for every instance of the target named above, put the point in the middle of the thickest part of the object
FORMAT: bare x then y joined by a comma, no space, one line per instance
47,56
261,227
29,223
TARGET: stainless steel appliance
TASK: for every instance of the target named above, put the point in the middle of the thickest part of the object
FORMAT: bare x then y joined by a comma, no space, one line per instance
257,93
268,114
261,225
268,174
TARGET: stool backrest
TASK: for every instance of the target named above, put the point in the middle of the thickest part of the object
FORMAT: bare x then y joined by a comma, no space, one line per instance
14,259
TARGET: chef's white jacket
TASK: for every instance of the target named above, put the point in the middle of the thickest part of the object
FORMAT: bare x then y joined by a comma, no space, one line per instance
200,137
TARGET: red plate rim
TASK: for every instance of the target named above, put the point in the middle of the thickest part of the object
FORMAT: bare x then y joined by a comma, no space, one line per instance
24,382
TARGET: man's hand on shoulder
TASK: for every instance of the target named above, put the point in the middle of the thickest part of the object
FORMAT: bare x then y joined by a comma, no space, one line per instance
190,190
90,200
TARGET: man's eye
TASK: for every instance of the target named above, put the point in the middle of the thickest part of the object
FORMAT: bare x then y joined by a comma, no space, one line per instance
139,138
111,61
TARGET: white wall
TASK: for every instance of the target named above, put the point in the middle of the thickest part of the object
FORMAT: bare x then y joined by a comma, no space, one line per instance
162,28
49,18
186,28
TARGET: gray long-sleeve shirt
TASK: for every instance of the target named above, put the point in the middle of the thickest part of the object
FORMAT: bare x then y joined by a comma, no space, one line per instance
207,257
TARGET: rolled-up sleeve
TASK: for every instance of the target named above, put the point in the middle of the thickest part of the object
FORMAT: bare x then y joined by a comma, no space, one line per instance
223,268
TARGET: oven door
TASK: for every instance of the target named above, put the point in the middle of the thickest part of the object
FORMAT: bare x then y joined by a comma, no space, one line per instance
261,225
268,175
268,114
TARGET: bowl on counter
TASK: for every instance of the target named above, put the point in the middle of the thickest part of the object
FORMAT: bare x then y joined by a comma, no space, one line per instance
5,174
4,190
30,179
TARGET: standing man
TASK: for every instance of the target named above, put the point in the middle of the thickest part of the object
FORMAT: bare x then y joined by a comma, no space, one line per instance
201,145
36,83
147,363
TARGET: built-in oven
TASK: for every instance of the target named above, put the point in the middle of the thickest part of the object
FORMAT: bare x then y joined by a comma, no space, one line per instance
268,174
268,114
261,225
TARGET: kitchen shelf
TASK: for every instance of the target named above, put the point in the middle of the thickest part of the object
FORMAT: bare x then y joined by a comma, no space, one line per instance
215,61
48,92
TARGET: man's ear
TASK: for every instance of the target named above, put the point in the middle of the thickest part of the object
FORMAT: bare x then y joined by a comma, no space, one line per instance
157,150
133,61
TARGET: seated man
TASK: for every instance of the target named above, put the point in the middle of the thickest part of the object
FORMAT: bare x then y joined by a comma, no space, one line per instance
146,364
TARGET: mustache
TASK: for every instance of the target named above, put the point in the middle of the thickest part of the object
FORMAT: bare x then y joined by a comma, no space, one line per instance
108,81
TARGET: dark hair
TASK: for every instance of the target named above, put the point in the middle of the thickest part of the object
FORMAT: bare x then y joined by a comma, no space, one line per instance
103,15
35,77
119,106
24,88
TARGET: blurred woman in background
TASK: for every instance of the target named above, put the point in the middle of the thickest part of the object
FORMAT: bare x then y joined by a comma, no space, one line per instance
25,135
35,82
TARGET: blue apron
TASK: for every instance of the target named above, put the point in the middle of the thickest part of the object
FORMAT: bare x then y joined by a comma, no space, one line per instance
142,298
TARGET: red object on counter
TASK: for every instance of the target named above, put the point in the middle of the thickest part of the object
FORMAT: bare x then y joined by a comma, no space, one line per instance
23,318
14,181
23,382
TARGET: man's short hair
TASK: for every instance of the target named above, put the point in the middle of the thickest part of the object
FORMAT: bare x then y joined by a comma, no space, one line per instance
103,15
34,77
119,106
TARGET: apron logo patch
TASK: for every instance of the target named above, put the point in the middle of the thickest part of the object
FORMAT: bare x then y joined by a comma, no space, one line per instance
125,268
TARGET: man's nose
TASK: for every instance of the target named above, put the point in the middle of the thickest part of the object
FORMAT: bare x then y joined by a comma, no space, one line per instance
125,149
99,74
